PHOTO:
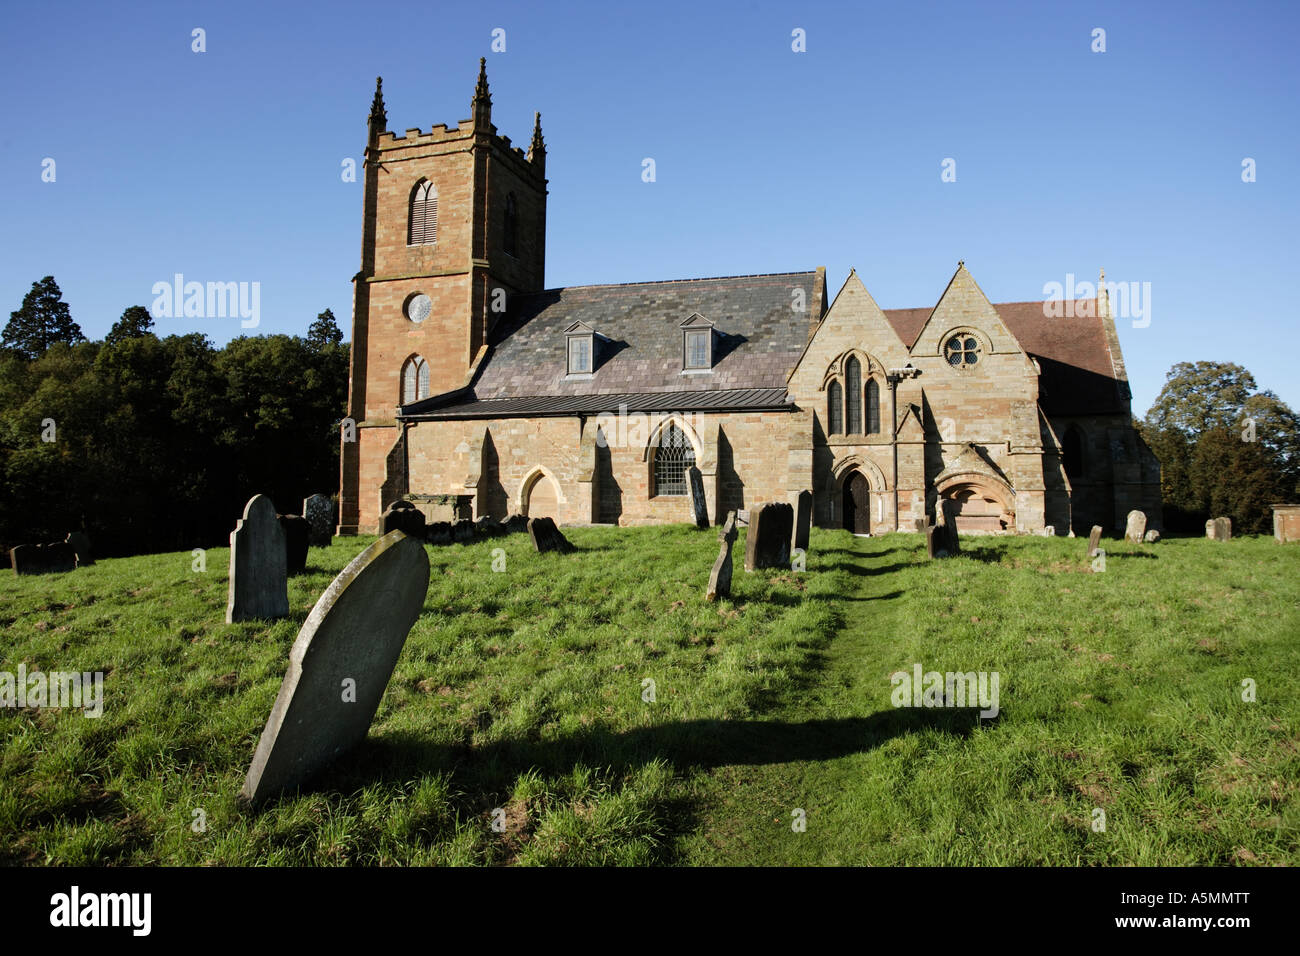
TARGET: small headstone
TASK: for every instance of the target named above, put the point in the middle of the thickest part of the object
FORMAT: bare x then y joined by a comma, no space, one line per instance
932,538
340,664
767,545
319,512
80,546
1136,527
462,531
946,522
547,537
919,524
1219,529
438,532
1094,540
296,534
517,524
1049,531
802,520
54,558
404,517
1152,536
488,527
259,586
699,507
720,576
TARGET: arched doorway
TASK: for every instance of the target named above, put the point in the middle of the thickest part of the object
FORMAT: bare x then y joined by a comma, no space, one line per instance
540,498
856,504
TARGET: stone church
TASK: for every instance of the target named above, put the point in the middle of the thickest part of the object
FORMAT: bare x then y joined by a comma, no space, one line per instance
476,390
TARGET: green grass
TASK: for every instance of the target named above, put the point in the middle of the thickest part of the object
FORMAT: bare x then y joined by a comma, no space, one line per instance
520,692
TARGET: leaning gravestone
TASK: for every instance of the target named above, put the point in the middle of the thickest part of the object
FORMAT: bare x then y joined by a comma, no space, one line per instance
259,586
319,512
80,546
767,545
802,520
296,534
720,576
547,537
1136,527
340,664
404,517
54,558
1094,540
699,507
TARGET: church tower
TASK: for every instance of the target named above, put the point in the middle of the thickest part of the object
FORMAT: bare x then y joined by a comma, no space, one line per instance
453,224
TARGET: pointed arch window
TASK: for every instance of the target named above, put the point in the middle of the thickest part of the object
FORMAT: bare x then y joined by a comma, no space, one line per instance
853,396
674,456
873,407
510,230
415,380
835,408
422,228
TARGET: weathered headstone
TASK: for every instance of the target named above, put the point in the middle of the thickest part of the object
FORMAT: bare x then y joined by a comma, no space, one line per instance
802,520
919,523
80,546
547,537
1094,540
438,532
259,586
1152,536
1135,528
932,539
488,527
319,512
720,576
949,544
340,664
1049,531
54,558
516,524
1219,529
699,506
767,545
296,533
404,517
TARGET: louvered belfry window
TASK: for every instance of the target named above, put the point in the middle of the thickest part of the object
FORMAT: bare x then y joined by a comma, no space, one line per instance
415,380
835,408
424,214
873,407
853,388
673,457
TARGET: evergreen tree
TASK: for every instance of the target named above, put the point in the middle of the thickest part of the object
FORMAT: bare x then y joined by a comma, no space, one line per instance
135,323
42,320
324,331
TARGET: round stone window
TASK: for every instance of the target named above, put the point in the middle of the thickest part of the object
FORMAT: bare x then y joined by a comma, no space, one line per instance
962,351
418,307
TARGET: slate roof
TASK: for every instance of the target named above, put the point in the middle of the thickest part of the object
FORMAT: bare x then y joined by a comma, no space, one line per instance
639,351
639,362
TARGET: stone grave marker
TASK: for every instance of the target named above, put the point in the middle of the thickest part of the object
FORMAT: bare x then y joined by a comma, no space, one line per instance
1152,536
1094,540
438,532
1286,523
1219,529
720,576
462,531
297,532
259,586
802,520
932,538
1136,527
699,506
516,524
80,546
54,558
1049,531
948,545
767,545
547,537
319,512
404,517
340,664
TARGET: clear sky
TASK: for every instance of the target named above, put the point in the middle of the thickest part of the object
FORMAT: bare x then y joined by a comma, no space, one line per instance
226,165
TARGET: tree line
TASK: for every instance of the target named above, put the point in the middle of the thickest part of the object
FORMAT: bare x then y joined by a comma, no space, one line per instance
154,444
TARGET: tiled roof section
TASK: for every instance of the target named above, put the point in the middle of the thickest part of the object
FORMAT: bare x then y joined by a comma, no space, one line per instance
759,337
1077,374
734,399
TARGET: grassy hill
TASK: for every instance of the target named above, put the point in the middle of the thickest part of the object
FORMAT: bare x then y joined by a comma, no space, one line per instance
515,729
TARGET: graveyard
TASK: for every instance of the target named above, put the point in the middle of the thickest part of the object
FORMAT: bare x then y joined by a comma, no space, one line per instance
591,705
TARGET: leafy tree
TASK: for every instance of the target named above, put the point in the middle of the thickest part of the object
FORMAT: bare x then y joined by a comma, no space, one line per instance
136,322
324,331
42,320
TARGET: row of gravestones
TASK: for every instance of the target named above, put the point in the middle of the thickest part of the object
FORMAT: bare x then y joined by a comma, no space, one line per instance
54,558
405,517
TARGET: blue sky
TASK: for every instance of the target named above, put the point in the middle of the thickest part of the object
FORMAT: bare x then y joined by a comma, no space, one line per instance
225,165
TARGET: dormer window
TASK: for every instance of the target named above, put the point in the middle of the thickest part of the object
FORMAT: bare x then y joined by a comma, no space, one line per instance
697,344
581,343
